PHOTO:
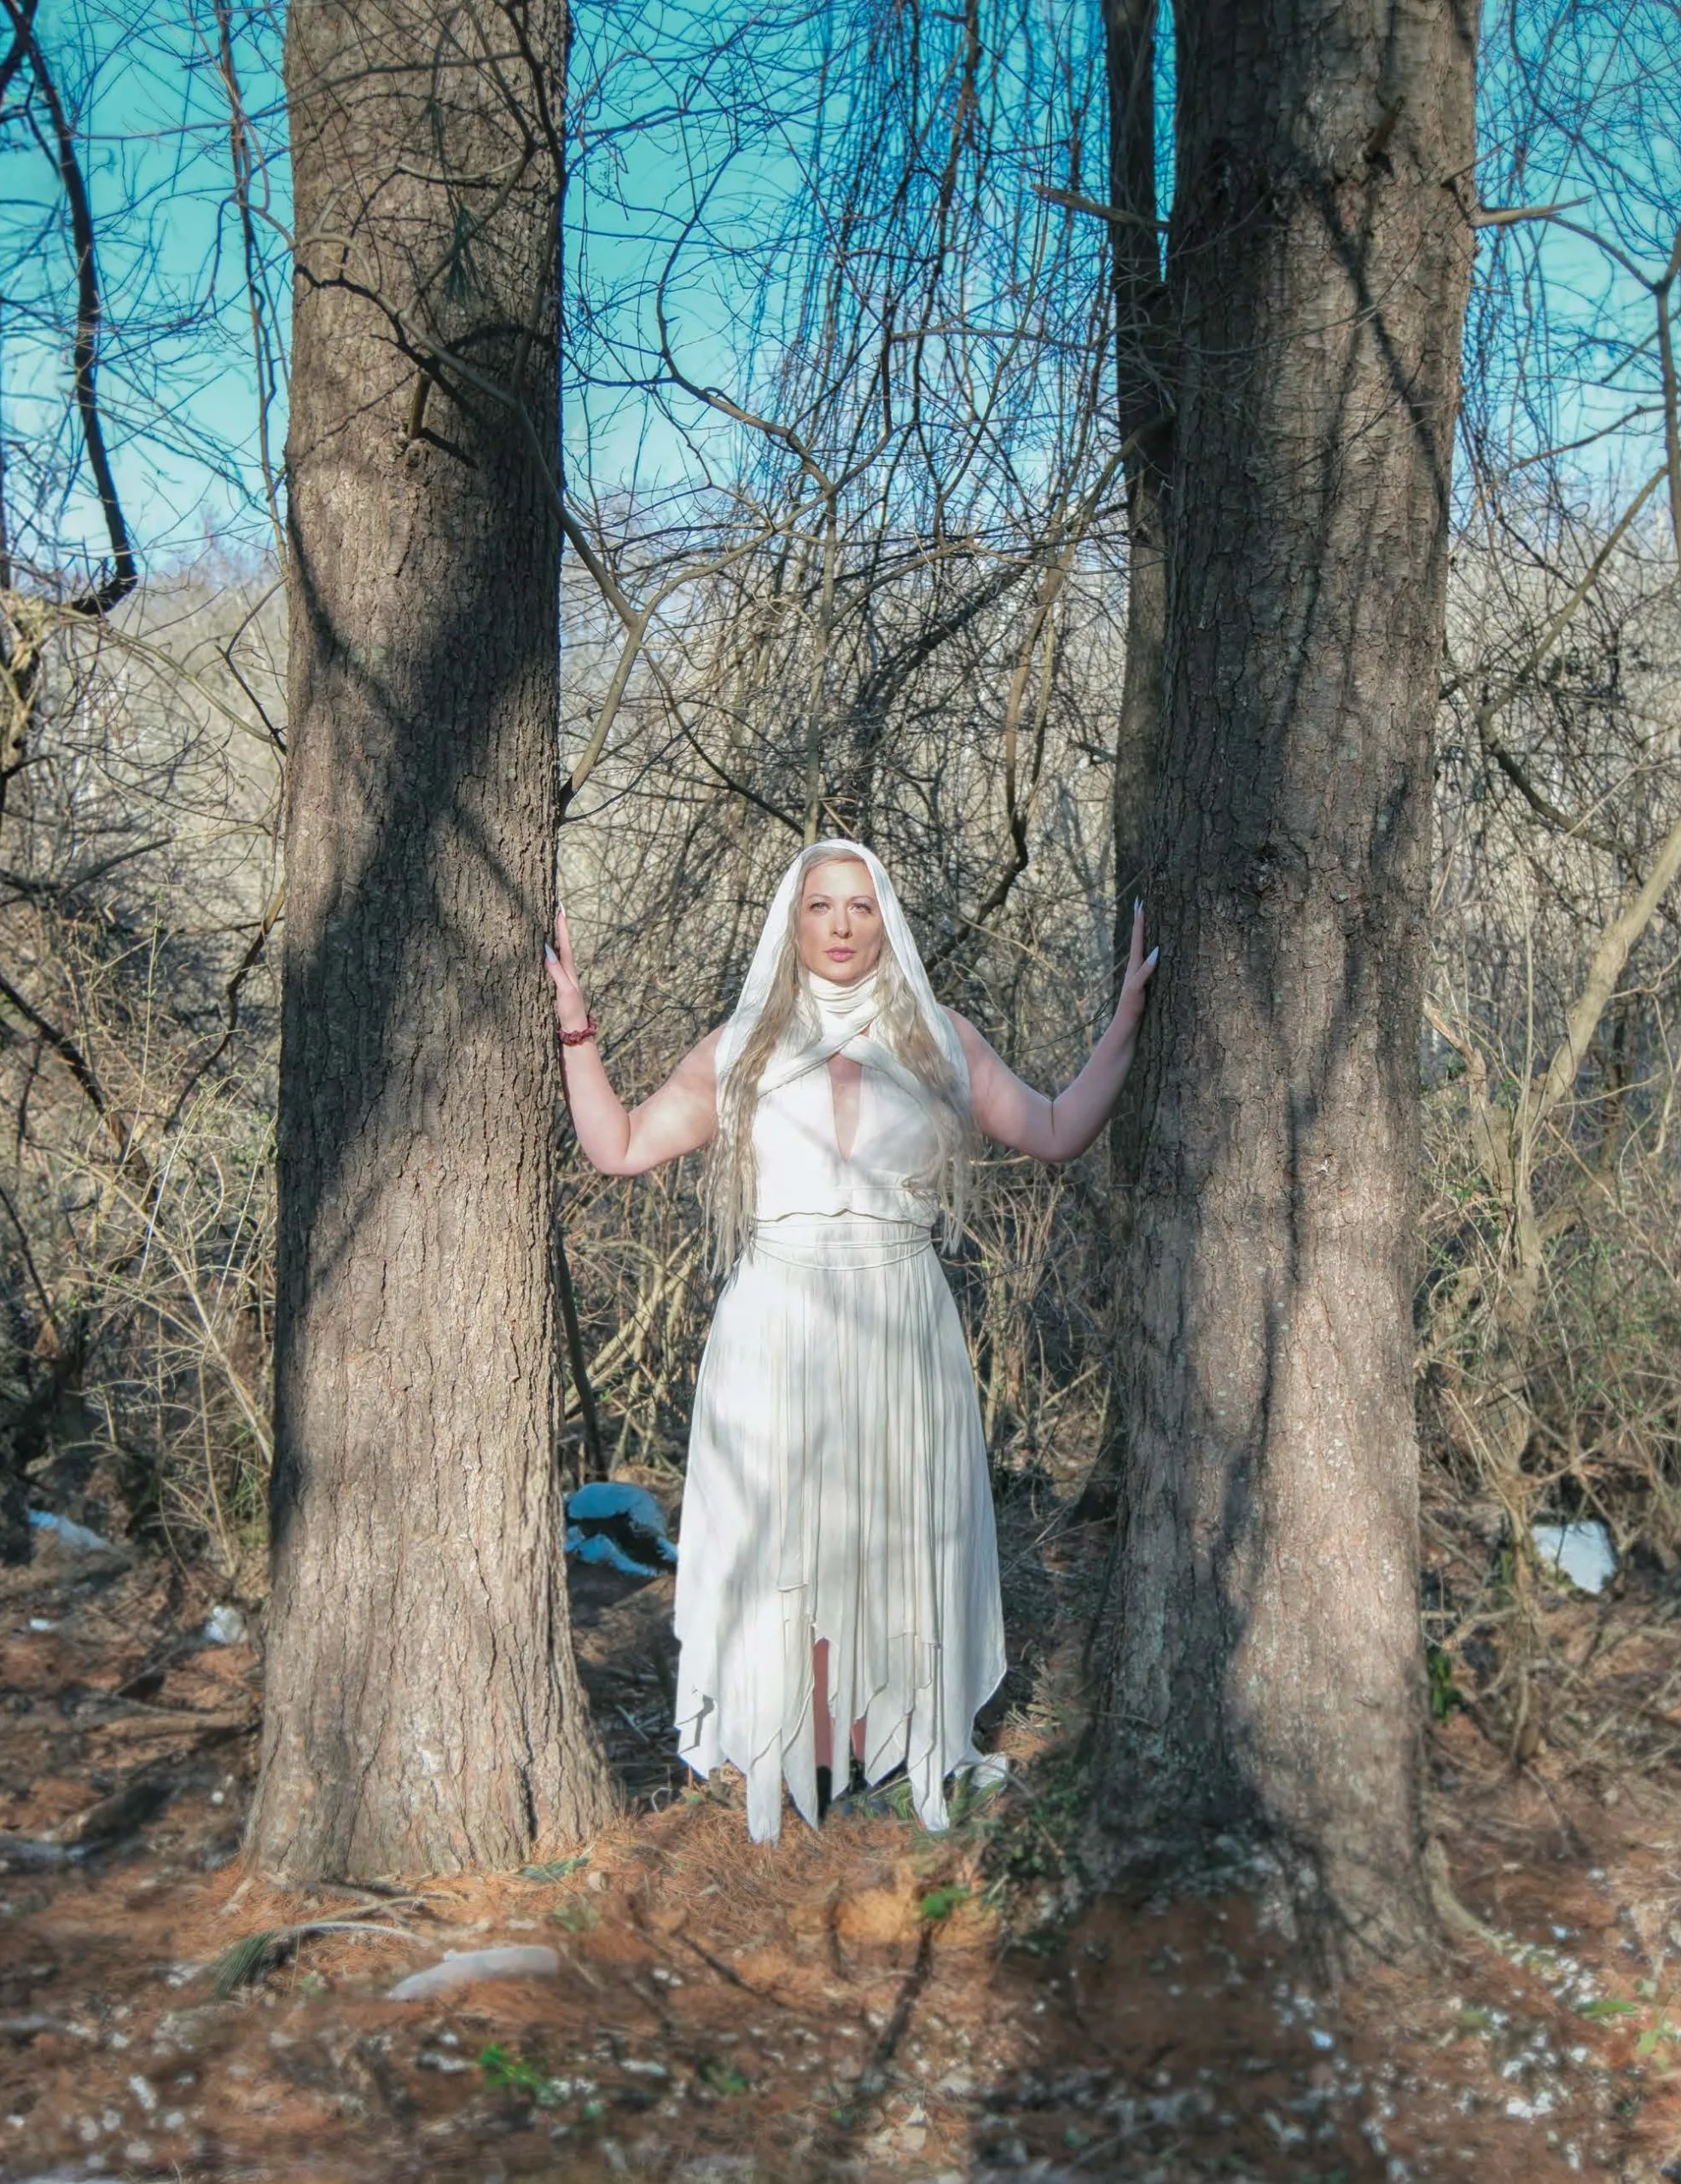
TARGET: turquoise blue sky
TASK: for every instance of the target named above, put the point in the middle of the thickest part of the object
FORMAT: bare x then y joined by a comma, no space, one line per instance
677,102
177,381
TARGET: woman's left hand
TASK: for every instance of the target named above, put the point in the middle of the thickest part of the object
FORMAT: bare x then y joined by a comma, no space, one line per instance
1012,1113
1140,969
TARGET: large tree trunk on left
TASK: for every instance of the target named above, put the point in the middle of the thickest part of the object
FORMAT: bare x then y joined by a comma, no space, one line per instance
423,1712
1261,1665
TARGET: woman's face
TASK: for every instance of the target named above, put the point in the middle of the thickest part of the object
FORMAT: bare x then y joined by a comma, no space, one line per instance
839,922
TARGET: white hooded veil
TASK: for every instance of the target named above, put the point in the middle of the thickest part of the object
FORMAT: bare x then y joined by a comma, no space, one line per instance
775,936
837,1486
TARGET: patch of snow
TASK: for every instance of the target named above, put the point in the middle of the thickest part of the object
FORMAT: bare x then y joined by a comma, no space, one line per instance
1580,1551
68,1535
459,1968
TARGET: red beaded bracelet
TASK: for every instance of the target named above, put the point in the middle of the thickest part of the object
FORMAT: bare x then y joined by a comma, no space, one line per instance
585,1031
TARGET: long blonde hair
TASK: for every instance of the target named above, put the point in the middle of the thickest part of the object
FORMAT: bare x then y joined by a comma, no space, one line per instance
730,1180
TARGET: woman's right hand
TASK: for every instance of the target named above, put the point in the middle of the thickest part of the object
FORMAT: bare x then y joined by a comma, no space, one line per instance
571,1011
678,1118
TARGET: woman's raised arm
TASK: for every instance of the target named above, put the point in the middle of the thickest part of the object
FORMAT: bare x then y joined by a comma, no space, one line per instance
678,1118
1060,1127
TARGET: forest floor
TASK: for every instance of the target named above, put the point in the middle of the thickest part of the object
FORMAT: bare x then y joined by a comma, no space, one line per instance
865,2001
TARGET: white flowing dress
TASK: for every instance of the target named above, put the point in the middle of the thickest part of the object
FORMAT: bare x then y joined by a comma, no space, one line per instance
837,1484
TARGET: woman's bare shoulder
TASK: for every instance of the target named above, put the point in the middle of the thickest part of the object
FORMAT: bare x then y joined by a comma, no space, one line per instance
975,1046
701,1062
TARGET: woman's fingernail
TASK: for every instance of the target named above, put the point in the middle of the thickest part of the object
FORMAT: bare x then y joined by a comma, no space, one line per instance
549,953
1137,907
1154,953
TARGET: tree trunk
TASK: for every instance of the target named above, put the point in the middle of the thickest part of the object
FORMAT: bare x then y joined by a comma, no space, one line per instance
1138,739
423,1712
1143,406
1260,1669
1143,409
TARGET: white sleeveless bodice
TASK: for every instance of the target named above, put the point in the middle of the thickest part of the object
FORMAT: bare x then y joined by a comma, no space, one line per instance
797,1150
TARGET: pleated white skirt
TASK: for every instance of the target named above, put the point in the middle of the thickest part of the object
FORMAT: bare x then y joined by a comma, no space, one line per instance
837,1490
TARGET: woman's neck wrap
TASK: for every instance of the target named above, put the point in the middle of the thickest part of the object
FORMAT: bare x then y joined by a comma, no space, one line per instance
844,1010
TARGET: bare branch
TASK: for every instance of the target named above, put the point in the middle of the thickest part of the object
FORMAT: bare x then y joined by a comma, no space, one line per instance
74,1060
1071,201
1606,969
1556,627
1508,216
88,311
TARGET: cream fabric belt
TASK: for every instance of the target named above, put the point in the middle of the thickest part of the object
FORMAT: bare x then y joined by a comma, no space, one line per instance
839,1243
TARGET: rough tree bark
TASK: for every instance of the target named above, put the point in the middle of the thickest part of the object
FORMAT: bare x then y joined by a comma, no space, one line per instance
1258,1655
1142,407
423,1712
1143,414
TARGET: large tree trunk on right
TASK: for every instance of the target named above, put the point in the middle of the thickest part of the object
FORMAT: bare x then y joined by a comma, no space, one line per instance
422,1710
1261,1661
1142,407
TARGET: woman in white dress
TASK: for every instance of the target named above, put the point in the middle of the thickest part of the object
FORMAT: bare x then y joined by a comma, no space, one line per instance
838,1563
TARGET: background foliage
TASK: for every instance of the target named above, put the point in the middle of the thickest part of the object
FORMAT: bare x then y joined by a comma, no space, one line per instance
848,551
